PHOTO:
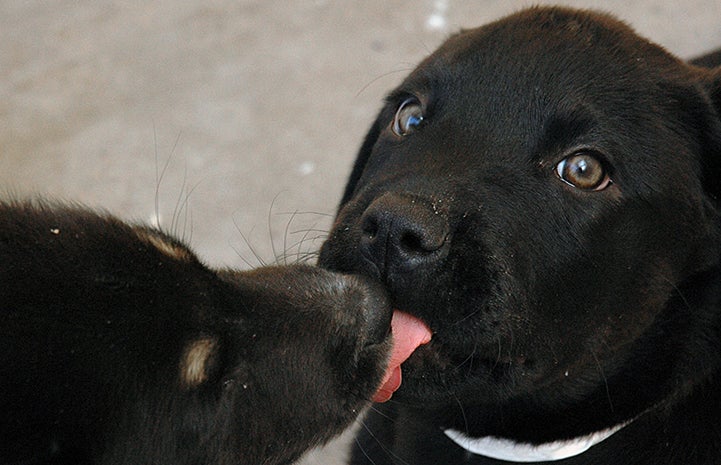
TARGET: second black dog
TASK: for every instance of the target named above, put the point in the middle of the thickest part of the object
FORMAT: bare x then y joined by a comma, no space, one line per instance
117,346
544,192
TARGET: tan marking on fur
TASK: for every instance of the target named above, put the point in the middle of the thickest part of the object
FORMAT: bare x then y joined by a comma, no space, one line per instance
193,371
163,246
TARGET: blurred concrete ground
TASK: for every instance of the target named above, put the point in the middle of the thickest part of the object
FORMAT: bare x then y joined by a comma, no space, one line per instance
233,123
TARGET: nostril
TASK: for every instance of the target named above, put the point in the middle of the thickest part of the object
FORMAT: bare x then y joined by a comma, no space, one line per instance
411,243
421,242
370,227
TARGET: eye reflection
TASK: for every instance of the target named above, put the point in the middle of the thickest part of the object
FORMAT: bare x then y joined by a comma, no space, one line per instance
584,171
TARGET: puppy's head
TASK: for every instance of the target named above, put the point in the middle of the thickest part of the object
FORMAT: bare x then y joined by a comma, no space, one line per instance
292,356
543,192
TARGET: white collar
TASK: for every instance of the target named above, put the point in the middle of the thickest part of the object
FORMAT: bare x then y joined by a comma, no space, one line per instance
510,451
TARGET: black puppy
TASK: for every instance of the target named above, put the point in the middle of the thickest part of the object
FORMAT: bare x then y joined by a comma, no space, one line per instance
117,346
544,192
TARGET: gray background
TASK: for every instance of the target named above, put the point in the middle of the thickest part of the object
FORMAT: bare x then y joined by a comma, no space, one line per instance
232,123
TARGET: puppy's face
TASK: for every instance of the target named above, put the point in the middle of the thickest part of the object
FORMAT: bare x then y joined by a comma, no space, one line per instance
541,192
296,354
312,349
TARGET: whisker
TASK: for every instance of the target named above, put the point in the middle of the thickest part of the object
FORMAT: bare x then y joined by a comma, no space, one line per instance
178,202
323,232
469,358
385,449
257,256
499,355
360,447
184,207
285,238
298,258
160,173
380,412
305,239
299,213
463,413
270,227
678,292
377,78
470,315
605,380
240,255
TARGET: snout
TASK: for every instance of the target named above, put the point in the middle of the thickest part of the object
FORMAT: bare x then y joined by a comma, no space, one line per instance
401,234
368,299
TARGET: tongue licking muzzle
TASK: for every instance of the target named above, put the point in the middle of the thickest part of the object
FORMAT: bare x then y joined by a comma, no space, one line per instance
409,333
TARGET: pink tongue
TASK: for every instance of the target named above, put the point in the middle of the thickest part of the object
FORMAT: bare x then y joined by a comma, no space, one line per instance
408,334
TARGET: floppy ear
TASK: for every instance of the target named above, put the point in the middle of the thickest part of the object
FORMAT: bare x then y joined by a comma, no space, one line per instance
362,158
714,89
712,141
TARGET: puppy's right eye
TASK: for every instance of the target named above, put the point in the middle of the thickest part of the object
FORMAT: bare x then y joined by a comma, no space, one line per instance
408,117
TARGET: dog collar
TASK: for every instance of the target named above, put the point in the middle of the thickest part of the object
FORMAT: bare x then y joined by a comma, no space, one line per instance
510,451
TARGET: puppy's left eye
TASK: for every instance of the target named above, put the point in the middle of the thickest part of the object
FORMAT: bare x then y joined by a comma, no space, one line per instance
583,170
408,117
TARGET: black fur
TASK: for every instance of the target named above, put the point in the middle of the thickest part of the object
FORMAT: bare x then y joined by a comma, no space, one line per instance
557,311
119,347
708,60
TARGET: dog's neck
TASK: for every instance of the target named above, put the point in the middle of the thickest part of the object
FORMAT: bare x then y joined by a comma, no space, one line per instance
511,451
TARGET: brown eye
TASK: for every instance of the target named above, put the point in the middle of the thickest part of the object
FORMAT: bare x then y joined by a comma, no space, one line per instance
583,171
408,117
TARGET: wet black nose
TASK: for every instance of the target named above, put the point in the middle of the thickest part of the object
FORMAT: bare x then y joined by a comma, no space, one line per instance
401,233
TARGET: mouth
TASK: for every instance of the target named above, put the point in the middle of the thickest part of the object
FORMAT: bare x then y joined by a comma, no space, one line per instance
436,366
409,333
